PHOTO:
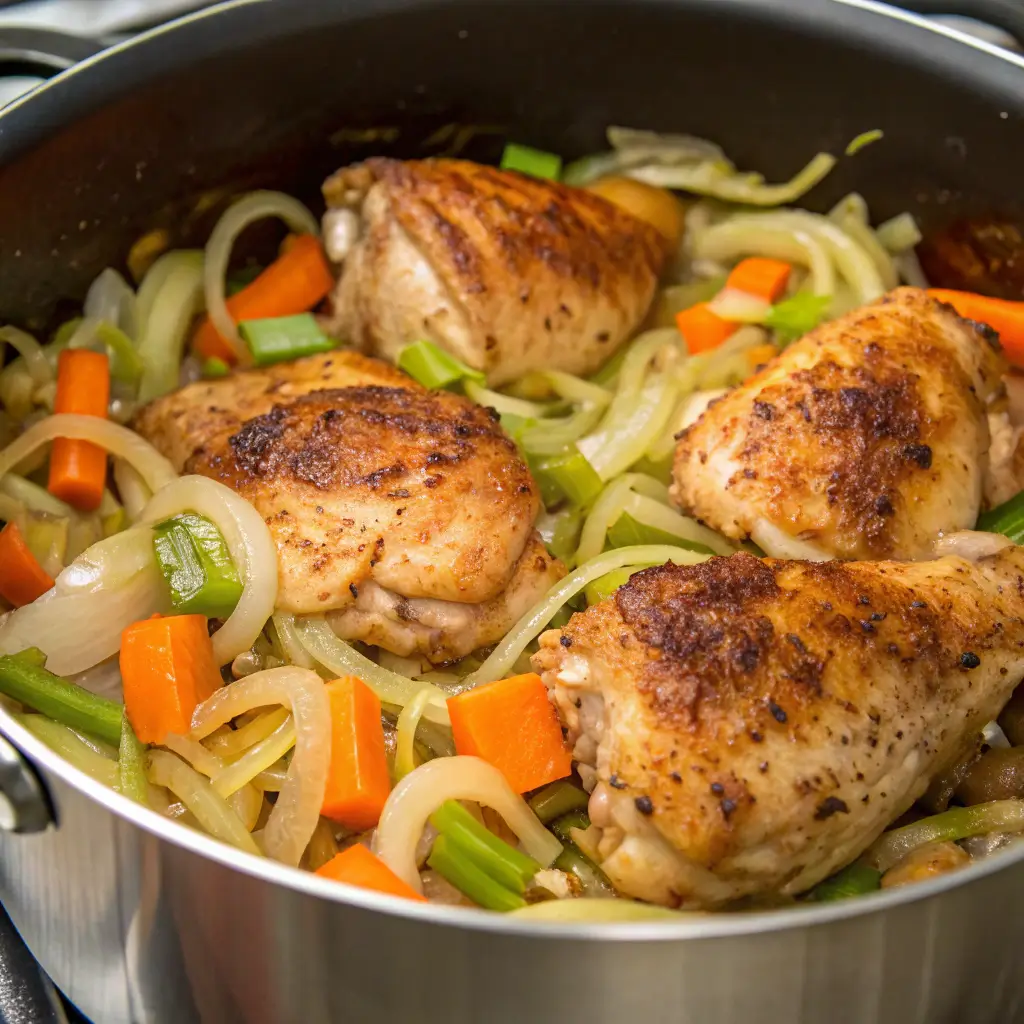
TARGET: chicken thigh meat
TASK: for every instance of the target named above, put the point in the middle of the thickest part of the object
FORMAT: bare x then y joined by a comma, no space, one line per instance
867,438
405,513
749,726
508,273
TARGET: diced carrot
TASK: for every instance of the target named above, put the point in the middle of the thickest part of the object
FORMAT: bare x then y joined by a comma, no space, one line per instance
763,278
1002,315
703,329
22,578
358,783
78,469
294,283
760,354
513,725
167,668
358,866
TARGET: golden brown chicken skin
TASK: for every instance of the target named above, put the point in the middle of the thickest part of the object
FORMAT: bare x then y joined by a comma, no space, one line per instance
868,438
749,726
508,273
378,493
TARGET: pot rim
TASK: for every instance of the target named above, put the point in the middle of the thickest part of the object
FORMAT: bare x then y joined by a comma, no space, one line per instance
690,926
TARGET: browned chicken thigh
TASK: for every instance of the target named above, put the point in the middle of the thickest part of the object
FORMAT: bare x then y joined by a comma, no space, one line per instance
406,513
748,727
508,273
868,438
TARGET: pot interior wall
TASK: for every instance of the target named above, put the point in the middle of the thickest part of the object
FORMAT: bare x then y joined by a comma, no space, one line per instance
281,95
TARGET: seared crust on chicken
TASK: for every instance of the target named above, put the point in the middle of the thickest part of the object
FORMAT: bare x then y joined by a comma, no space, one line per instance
508,273
751,726
865,439
367,480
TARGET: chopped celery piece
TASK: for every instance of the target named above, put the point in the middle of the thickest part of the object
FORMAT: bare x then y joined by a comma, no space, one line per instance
563,826
281,338
627,531
214,368
432,367
32,656
573,861
603,587
534,162
22,678
560,531
513,424
131,765
793,318
449,861
569,475
557,799
469,838
197,565
1007,519
854,880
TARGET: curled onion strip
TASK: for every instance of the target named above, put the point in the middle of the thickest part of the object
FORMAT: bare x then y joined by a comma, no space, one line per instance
235,742
247,803
422,791
253,207
132,488
252,550
195,753
256,759
343,659
405,739
30,350
196,793
504,656
121,442
297,810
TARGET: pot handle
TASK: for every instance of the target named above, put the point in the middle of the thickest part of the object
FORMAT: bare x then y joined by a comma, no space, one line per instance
27,995
1005,14
42,53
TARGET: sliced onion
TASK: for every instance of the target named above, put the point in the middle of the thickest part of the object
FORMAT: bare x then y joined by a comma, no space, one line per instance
900,233
111,298
73,748
422,791
252,550
169,314
232,743
653,513
78,623
103,679
253,207
31,351
154,469
739,307
504,656
196,754
196,793
297,809
256,759
132,488
405,740
291,645
247,803
341,658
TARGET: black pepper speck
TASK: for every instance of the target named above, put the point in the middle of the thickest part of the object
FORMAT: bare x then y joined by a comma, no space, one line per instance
644,805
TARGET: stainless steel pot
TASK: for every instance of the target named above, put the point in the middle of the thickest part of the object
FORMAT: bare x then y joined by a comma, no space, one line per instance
140,920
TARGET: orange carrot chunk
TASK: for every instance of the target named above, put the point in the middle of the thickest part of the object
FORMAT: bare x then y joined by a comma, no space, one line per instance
703,329
358,783
357,866
167,668
1002,315
294,283
22,578
78,469
763,278
513,725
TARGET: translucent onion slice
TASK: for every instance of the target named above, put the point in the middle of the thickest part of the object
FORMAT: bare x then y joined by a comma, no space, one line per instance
78,623
132,488
247,803
111,298
169,314
73,748
504,656
899,234
253,207
154,469
252,550
297,809
653,513
291,645
256,759
344,660
739,307
196,793
596,910
195,753
422,791
232,743
36,363
408,721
